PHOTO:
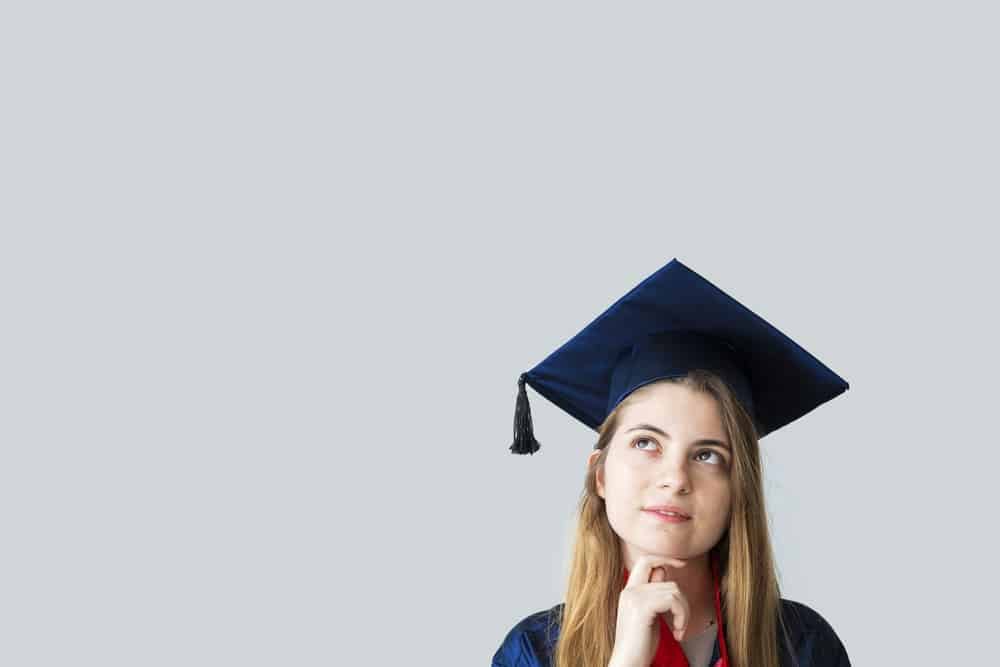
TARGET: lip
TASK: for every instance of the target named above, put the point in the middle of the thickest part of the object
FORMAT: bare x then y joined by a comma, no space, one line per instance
668,519
669,508
664,517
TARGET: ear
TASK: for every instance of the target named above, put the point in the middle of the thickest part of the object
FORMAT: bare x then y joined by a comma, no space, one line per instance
599,476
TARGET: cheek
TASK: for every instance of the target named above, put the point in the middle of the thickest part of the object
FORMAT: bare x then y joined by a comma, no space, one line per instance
715,494
722,504
622,481
619,489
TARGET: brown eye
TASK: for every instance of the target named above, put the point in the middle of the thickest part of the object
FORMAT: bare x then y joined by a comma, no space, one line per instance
721,460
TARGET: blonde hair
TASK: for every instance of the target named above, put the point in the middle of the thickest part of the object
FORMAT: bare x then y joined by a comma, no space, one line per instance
749,589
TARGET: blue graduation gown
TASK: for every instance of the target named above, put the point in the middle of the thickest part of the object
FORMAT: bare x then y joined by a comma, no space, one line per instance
528,644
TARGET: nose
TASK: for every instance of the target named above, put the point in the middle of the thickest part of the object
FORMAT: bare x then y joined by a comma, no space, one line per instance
675,475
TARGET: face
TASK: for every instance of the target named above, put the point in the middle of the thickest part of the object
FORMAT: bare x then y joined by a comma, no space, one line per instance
677,466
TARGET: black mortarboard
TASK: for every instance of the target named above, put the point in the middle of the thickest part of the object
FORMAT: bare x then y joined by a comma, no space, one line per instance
670,323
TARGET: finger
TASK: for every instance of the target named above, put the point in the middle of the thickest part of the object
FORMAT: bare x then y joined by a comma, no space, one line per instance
658,575
671,602
681,614
640,572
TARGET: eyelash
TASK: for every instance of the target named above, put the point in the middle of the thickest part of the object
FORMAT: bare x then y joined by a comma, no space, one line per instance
722,459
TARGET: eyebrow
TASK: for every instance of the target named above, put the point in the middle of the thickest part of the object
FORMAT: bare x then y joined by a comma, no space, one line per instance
703,441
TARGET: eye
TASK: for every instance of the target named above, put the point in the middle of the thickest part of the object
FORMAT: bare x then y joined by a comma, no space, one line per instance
718,456
636,442
719,459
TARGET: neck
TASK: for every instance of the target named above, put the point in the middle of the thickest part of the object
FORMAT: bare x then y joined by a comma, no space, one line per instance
695,582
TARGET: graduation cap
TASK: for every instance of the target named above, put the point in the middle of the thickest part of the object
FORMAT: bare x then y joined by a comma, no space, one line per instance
672,322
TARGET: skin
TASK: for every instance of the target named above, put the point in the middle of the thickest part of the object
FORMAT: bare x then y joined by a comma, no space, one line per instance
645,468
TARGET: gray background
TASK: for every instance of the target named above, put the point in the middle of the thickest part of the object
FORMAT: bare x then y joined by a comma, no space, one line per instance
269,273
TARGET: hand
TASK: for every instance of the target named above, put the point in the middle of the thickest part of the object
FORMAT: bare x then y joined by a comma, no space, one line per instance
647,594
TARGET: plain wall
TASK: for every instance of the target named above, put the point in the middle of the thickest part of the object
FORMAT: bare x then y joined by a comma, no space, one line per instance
269,273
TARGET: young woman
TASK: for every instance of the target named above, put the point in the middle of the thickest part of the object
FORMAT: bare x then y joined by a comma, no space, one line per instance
672,564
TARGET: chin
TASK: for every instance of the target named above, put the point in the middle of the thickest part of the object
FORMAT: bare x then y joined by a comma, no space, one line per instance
667,548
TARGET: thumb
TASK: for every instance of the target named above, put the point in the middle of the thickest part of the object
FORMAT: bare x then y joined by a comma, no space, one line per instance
658,574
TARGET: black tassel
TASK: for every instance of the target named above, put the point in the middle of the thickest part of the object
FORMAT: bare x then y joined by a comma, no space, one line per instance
524,437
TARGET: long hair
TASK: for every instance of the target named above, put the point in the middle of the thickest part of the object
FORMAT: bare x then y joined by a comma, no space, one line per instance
749,590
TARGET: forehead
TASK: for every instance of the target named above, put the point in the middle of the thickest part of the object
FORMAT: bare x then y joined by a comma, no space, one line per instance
675,409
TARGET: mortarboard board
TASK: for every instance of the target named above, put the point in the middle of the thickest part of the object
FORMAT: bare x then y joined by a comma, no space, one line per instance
672,322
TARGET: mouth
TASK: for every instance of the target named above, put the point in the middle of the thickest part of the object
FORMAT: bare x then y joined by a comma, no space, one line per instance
669,517
669,509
